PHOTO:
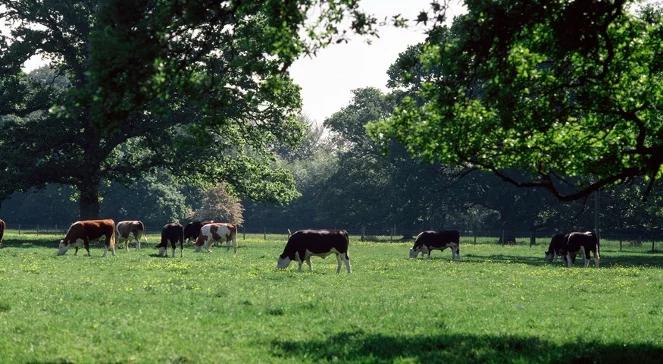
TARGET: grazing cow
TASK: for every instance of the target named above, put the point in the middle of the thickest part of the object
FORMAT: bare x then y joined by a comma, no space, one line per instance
2,231
557,247
127,228
217,231
430,240
568,246
172,233
304,244
192,229
82,232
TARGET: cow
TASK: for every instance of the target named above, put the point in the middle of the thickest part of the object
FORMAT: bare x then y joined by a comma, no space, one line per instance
569,245
172,233
427,241
304,244
126,229
217,231
2,231
557,247
84,231
192,229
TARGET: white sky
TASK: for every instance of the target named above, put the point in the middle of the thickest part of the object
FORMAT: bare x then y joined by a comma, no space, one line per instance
328,79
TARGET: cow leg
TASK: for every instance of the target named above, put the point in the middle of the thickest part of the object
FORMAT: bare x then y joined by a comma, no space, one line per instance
596,257
346,258
299,269
568,259
585,261
86,245
339,260
308,262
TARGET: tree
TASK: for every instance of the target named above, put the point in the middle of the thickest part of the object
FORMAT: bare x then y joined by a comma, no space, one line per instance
198,88
219,205
568,91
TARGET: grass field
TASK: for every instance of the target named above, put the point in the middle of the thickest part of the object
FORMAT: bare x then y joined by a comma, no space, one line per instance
498,304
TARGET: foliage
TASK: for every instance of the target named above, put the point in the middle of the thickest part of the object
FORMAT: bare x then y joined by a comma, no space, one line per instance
196,87
503,304
219,205
568,91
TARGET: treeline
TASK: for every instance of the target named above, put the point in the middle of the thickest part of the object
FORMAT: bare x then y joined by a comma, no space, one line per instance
346,180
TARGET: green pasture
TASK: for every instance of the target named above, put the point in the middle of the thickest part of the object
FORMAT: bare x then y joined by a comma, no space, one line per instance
497,304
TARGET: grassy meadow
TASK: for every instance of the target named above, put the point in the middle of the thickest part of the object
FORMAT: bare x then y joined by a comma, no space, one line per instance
497,304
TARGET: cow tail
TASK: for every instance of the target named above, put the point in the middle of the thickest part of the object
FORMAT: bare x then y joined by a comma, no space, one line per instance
112,239
347,240
181,242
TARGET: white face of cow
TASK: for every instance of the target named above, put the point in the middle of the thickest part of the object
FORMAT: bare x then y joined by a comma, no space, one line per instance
62,247
283,263
162,251
414,252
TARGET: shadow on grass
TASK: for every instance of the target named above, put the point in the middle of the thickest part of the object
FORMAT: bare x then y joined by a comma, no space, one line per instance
33,242
641,260
449,348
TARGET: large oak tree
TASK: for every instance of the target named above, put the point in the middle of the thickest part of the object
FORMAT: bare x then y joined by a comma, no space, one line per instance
570,92
199,88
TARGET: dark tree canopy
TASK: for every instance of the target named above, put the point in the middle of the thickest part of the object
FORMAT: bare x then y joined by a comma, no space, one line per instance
570,92
199,88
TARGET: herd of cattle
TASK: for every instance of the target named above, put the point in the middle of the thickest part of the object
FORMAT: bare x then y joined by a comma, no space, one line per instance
300,247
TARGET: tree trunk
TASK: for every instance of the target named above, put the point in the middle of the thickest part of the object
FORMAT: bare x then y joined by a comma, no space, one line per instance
89,199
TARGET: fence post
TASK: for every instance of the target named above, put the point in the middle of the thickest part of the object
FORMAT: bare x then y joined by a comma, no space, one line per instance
19,229
37,230
474,232
652,245
620,244
264,233
502,236
363,233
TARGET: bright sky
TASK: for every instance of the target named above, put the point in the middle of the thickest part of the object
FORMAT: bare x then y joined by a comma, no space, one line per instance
328,79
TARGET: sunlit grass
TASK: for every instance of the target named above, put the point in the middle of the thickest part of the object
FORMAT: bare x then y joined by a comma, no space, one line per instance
499,304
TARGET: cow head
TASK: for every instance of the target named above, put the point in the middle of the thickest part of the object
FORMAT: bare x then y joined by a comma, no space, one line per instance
550,255
62,247
163,251
414,252
283,262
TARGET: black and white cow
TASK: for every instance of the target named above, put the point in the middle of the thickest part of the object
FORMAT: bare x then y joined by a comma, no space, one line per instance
304,244
569,245
192,230
172,233
431,240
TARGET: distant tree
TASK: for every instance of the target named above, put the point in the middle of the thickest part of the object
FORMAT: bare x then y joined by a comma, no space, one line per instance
219,205
567,91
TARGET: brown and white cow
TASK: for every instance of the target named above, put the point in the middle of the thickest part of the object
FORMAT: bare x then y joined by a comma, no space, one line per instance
2,231
172,233
126,229
304,244
82,232
217,231
430,240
